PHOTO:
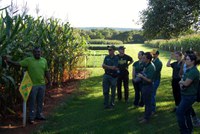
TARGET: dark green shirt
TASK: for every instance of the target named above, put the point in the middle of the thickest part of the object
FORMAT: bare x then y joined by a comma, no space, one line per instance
123,61
158,65
111,61
192,74
149,71
138,66
176,69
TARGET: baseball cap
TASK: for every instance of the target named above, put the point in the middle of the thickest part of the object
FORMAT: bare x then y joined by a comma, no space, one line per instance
121,47
111,47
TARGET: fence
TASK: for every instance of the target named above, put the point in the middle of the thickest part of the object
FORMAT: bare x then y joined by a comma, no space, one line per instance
92,60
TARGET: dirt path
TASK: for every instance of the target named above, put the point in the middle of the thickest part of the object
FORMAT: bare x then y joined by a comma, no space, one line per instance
53,98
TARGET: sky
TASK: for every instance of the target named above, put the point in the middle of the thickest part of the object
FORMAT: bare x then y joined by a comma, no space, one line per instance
87,13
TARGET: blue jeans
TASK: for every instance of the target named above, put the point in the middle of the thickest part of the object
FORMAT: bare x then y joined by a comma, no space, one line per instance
183,114
109,82
146,92
153,99
138,94
37,95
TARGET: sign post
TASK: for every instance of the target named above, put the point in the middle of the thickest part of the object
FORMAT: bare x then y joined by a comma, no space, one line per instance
25,89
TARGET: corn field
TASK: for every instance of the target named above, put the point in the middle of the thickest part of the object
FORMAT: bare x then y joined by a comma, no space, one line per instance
189,42
61,46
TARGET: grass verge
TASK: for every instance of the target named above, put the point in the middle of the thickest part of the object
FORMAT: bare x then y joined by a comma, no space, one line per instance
83,112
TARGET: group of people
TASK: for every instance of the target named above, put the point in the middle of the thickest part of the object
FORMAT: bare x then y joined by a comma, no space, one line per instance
146,76
185,84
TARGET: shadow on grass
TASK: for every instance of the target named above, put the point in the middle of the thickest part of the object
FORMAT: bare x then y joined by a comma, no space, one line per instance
84,113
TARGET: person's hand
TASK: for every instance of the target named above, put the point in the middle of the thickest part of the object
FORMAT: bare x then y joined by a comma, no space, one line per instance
181,82
140,75
181,85
114,68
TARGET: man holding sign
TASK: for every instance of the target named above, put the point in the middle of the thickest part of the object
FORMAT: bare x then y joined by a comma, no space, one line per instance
37,69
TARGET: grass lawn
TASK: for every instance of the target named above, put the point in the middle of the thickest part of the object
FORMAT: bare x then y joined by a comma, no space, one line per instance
83,112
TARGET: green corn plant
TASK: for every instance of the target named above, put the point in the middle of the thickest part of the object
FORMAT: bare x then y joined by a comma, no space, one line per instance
18,35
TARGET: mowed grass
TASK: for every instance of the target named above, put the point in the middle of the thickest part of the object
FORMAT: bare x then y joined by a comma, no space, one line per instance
83,112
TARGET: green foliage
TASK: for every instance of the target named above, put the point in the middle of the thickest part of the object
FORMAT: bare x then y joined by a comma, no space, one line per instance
189,42
169,18
102,41
133,36
61,46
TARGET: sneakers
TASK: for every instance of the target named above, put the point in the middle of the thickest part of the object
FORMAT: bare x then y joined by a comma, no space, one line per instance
40,118
111,106
31,121
143,121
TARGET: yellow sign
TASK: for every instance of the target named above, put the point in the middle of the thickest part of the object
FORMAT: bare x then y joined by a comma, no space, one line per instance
26,86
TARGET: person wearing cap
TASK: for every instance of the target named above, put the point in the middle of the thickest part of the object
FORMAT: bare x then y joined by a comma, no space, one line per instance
110,64
123,63
158,64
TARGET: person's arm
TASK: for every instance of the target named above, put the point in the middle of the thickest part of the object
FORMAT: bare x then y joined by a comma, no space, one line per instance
159,67
109,67
144,78
181,69
130,61
133,73
169,62
190,78
113,67
13,62
186,83
9,61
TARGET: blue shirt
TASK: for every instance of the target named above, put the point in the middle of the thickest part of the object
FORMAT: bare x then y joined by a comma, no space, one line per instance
111,61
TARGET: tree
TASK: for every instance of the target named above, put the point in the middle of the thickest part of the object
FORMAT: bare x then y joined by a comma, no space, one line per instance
169,18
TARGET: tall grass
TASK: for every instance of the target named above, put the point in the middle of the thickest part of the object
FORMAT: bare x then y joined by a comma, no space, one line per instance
83,112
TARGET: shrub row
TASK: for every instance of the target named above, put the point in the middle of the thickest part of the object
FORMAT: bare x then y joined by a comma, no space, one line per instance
103,41
189,42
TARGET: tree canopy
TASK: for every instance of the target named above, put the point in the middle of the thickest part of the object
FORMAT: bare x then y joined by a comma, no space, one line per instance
132,36
170,18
